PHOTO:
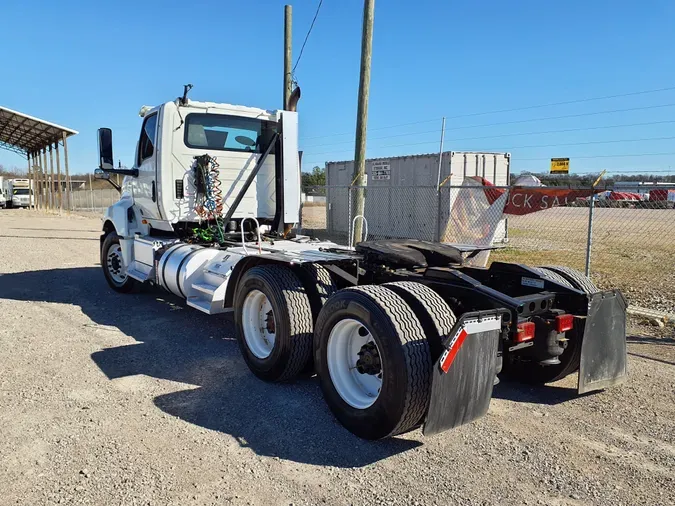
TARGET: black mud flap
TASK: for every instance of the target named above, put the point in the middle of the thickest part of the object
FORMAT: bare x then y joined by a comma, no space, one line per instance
603,349
463,377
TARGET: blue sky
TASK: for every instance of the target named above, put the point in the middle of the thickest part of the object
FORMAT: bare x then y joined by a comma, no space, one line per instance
88,64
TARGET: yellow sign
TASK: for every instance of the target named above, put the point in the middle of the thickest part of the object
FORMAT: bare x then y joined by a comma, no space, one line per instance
560,165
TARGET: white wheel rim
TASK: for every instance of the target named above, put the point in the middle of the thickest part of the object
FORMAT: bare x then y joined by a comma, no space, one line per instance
359,390
259,324
115,264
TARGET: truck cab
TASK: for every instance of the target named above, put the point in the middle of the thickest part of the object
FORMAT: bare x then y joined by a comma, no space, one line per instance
162,185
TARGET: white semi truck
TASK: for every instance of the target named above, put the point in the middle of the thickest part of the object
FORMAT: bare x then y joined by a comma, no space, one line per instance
402,333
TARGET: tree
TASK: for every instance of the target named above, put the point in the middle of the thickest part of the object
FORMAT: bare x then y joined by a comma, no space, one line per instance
315,178
586,180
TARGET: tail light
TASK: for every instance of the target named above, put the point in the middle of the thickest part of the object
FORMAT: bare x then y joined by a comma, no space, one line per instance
525,332
564,322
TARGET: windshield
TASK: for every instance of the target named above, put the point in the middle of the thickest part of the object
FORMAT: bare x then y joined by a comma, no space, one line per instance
228,133
20,191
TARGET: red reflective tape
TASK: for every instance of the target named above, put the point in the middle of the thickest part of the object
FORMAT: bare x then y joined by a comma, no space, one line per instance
449,355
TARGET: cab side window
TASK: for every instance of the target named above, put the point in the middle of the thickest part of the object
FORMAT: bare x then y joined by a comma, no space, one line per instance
146,144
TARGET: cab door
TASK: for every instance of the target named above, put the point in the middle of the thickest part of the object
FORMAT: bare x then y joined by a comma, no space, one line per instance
144,186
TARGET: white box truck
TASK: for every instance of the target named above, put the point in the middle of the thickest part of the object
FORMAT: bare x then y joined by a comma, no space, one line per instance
20,193
3,192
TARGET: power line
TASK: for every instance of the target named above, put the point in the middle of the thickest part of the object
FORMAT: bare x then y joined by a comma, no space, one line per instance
519,147
594,113
565,116
375,129
567,102
606,97
588,142
602,127
318,8
563,130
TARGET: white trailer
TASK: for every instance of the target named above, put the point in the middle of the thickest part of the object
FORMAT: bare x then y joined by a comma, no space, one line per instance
208,212
402,199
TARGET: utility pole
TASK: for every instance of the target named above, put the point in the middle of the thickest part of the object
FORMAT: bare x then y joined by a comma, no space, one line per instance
362,114
288,54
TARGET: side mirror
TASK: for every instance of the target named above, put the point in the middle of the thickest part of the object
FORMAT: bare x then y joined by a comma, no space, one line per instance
105,151
101,174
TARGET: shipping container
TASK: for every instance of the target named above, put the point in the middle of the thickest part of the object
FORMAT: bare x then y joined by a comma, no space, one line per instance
401,196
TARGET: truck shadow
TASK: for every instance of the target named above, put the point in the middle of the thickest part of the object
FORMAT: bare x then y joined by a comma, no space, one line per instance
289,421
535,394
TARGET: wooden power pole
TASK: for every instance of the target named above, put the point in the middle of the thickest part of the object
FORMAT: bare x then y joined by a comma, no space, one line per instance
362,114
288,54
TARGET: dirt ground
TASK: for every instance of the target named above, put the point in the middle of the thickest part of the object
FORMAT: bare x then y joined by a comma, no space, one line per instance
137,400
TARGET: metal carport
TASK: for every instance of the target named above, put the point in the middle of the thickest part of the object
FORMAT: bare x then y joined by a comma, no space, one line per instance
34,138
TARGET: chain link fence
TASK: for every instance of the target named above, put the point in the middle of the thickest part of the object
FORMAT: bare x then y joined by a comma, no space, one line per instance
630,244
93,200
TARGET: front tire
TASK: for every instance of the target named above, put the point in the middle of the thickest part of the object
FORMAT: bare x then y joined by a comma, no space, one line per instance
373,362
114,270
274,322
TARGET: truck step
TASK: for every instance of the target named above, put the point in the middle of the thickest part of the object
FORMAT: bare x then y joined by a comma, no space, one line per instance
138,275
207,306
203,305
206,288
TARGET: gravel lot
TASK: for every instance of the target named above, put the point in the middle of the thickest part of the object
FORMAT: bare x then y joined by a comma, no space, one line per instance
111,399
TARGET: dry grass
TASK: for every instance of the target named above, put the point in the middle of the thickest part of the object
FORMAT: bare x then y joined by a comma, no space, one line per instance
314,215
633,249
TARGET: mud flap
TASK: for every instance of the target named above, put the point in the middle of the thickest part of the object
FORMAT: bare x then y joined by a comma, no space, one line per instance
603,348
463,377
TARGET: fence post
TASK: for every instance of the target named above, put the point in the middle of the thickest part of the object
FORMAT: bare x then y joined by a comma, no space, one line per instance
349,214
589,241
439,206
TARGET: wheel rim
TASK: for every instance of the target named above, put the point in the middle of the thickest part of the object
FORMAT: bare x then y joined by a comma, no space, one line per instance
354,363
259,324
115,265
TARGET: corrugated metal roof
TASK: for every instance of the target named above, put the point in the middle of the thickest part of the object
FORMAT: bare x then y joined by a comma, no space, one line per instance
26,134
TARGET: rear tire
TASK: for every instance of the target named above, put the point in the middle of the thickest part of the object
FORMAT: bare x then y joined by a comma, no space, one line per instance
274,322
433,312
570,359
378,324
577,279
553,276
319,285
113,266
